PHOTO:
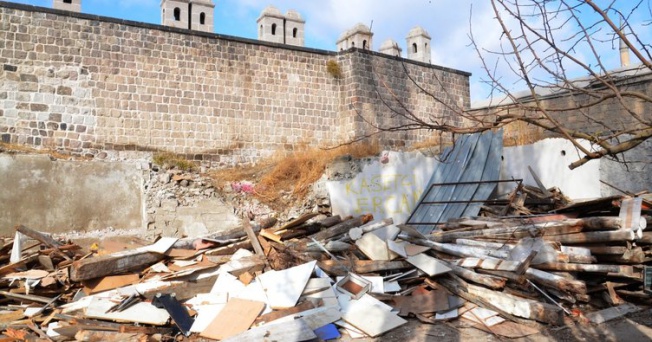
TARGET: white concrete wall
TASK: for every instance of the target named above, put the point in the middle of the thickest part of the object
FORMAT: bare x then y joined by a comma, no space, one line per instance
384,190
393,189
550,158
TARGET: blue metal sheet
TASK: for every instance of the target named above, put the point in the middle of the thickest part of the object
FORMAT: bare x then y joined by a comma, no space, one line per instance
475,157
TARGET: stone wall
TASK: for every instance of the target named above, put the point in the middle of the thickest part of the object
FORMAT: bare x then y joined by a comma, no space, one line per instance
89,85
594,119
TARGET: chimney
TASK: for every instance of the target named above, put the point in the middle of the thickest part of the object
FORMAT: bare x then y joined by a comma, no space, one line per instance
624,51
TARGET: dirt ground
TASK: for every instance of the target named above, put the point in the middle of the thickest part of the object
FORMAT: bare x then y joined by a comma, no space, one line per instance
632,328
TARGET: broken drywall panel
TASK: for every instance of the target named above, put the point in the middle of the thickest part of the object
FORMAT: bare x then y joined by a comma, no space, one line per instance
383,189
283,288
428,264
205,315
549,158
371,319
142,312
315,318
375,248
295,330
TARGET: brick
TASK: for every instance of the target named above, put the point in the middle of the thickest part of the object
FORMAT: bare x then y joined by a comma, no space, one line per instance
28,78
62,90
38,107
11,68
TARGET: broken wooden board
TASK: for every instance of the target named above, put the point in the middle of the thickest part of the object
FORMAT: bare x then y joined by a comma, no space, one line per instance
488,264
608,314
428,264
115,263
432,301
293,330
283,288
142,312
109,283
371,319
235,318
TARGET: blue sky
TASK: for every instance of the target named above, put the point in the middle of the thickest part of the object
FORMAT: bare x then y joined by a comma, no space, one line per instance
447,21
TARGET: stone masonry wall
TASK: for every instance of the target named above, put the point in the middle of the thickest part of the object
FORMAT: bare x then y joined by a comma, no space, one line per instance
89,84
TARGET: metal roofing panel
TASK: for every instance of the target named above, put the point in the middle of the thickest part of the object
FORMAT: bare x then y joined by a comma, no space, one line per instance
462,177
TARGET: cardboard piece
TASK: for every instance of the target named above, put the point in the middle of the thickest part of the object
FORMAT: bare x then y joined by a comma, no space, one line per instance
235,318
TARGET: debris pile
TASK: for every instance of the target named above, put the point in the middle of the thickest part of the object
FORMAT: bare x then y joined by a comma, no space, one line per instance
318,277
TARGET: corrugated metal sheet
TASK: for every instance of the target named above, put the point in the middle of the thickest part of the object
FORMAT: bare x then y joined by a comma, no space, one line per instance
474,158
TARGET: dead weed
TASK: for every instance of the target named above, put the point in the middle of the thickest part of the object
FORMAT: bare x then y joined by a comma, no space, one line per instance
291,174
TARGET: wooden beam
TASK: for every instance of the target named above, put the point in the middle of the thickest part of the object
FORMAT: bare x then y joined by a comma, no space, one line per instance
113,264
505,303
593,237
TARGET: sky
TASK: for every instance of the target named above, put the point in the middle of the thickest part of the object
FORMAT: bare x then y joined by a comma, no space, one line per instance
447,21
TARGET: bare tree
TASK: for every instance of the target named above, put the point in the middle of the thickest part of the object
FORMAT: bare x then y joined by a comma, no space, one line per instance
545,45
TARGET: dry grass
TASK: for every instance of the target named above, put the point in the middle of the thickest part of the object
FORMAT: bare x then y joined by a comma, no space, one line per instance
26,149
292,173
171,159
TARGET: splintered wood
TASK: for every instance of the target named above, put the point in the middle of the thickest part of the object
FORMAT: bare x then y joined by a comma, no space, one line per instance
320,277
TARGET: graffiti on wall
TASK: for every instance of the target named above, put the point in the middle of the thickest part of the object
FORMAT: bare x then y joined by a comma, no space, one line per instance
388,188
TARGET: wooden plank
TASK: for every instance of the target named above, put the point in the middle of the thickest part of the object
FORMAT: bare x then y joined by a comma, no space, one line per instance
342,267
253,238
294,330
112,264
296,222
283,288
109,283
608,314
371,319
508,305
340,228
431,266
236,317
488,264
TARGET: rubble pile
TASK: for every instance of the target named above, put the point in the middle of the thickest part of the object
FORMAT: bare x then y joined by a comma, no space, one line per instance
318,277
